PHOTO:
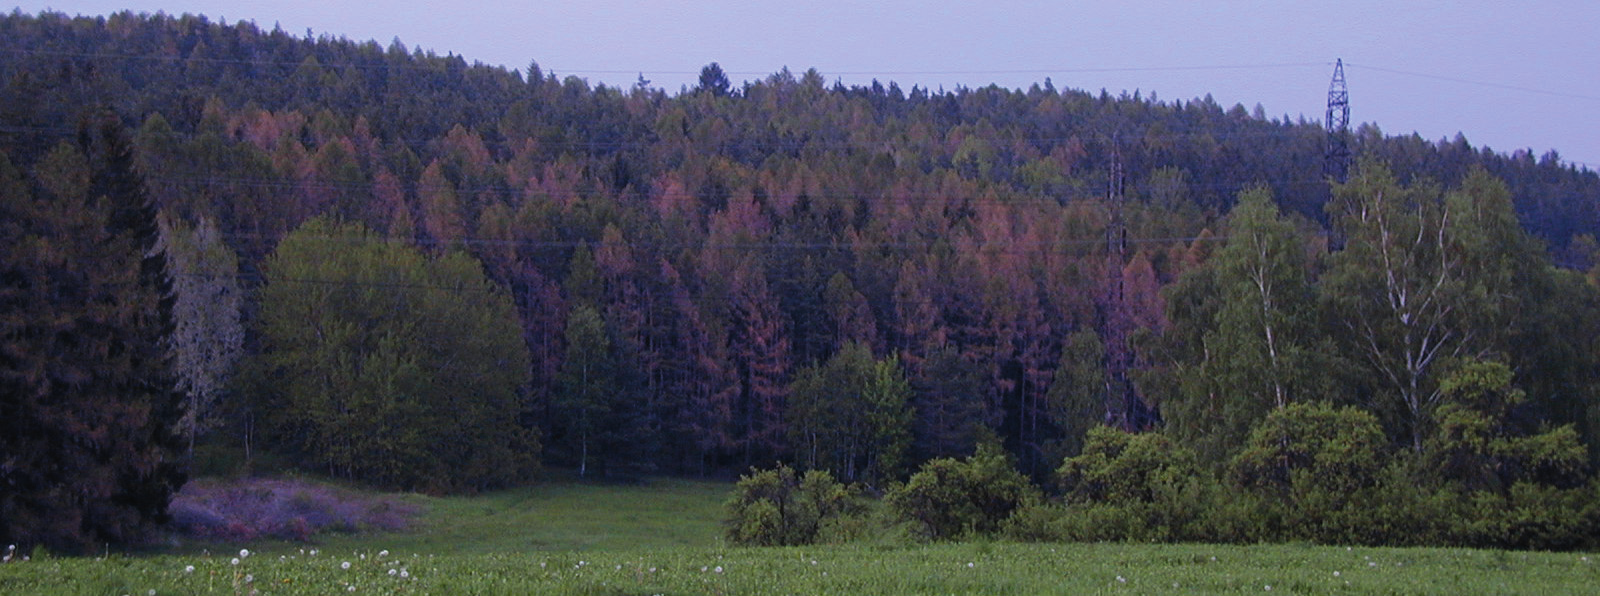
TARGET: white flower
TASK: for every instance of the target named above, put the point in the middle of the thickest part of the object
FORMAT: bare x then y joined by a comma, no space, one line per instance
1336,574
1269,588
1122,580
152,592
813,561
244,552
404,574
249,578
344,565
383,553
235,561
392,572
352,589
188,569
718,569
969,564
313,552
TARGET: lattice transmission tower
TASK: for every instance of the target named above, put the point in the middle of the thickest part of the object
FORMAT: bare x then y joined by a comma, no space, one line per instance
1336,160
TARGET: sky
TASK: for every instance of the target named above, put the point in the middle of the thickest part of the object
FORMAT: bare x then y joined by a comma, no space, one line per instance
1507,75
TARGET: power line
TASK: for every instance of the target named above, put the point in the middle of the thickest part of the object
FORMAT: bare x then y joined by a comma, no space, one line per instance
1478,83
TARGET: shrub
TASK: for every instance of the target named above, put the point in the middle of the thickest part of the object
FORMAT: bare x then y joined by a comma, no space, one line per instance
951,498
780,507
1131,486
1307,447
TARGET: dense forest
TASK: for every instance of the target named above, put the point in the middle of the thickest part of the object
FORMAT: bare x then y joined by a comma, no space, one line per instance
417,272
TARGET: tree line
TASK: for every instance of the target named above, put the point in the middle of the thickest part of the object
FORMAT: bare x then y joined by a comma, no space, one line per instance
407,270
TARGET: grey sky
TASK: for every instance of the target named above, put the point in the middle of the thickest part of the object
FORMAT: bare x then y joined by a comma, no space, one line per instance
1508,75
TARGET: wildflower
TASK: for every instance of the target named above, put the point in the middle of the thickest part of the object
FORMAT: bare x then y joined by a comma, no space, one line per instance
235,561
969,564
404,574
1122,580
188,568
313,552
718,569
1336,574
392,572
352,589
813,561
249,578
1269,587
344,565
152,592
383,553
244,552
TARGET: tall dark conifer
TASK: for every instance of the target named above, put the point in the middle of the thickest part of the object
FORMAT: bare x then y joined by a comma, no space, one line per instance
87,404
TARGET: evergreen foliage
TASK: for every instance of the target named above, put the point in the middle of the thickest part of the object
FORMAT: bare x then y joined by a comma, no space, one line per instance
89,453
860,279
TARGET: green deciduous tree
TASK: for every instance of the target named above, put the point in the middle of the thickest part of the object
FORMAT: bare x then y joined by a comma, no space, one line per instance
390,366
1261,348
851,416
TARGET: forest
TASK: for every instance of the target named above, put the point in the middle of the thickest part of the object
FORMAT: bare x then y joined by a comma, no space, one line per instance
415,272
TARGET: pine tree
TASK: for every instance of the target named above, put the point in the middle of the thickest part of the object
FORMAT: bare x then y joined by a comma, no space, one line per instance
87,404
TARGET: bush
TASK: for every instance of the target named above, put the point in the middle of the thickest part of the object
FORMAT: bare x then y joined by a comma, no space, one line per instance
1304,448
1131,486
779,507
951,498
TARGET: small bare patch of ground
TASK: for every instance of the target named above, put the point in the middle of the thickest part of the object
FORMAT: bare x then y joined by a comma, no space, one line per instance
284,509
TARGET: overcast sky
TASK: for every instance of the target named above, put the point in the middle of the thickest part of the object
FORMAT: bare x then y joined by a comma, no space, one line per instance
1509,75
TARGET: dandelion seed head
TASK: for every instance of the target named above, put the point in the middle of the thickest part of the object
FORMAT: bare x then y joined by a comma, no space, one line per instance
244,552
344,565
188,568
1336,574
1122,580
351,589
404,574
383,553
393,572
249,578
235,561
1269,587
718,569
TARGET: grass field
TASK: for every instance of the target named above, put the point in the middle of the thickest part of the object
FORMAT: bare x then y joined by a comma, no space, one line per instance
662,538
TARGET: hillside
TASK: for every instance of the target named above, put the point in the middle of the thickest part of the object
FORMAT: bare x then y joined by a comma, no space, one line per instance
711,280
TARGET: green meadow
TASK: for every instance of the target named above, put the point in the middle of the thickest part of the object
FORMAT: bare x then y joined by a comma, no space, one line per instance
663,537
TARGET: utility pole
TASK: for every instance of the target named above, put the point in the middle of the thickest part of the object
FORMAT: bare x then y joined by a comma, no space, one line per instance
1120,409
